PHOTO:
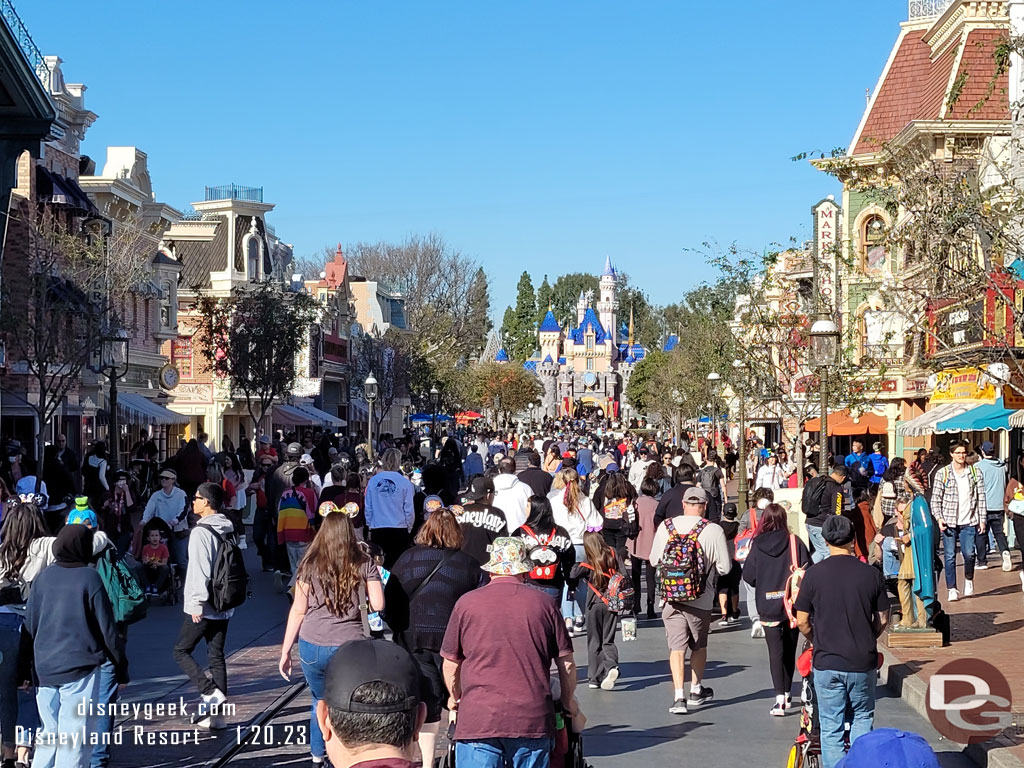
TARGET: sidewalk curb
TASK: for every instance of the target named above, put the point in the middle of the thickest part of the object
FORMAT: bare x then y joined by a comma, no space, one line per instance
899,679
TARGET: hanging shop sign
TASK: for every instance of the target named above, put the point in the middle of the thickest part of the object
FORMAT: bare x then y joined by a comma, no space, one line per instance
1013,392
963,384
826,239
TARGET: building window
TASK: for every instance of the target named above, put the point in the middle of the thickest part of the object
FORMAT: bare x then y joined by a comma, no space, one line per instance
873,236
590,363
590,342
252,255
168,306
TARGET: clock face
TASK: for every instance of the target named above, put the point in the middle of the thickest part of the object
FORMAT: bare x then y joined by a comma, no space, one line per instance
169,377
589,378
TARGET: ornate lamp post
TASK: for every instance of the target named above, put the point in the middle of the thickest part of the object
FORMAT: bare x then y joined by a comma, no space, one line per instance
739,387
714,386
370,392
113,363
497,411
532,406
435,399
824,356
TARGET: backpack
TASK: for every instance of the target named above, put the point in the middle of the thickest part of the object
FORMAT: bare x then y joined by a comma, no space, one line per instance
706,477
618,592
126,596
682,572
292,499
229,581
746,540
793,582
542,556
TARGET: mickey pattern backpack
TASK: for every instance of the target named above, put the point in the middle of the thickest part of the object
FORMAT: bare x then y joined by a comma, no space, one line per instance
618,592
542,556
682,572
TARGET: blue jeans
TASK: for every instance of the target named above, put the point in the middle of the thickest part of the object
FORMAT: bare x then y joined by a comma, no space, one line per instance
575,608
59,711
819,549
104,723
17,707
967,535
314,660
836,692
498,753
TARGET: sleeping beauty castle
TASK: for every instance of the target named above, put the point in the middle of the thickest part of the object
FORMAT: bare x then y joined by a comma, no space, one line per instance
584,366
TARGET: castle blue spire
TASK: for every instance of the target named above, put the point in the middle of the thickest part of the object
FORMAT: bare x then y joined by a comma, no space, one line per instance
549,324
609,270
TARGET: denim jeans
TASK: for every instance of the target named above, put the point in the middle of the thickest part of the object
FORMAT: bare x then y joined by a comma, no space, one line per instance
966,534
819,549
17,707
835,692
104,723
498,753
993,530
59,711
314,660
576,608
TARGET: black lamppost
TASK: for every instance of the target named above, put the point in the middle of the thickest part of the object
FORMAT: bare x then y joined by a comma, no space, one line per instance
370,393
739,387
113,363
435,399
824,356
714,386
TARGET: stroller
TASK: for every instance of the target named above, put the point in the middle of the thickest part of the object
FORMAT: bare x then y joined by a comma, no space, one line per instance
806,750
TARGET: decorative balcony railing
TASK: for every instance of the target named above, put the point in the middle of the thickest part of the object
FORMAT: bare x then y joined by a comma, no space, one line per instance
925,9
883,354
235,192
25,42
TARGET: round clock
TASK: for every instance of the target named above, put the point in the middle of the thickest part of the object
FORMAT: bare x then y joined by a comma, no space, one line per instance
589,378
169,377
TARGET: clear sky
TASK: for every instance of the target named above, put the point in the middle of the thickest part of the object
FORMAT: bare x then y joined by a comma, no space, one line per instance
531,134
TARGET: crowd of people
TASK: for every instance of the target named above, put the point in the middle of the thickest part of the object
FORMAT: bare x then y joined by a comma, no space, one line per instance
453,545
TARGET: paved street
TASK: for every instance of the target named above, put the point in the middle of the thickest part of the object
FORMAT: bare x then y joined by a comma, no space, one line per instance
633,719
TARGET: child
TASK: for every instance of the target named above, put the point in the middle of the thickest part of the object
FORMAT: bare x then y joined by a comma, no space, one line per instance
155,570
729,585
598,567
295,513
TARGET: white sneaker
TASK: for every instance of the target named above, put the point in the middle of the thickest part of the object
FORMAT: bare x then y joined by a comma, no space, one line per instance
968,587
981,567
241,542
608,683
953,595
757,630
1007,565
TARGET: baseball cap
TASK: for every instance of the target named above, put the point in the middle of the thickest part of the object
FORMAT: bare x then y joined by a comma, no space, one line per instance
837,530
306,460
876,447
988,448
892,748
294,449
695,496
480,487
265,439
371,661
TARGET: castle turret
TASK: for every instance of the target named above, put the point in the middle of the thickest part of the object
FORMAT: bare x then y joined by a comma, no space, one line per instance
606,304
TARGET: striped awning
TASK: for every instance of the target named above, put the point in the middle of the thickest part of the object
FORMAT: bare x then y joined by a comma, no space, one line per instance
924,424
136,409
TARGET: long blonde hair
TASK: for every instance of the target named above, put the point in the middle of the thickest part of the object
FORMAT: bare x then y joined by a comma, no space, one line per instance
332,563
568,479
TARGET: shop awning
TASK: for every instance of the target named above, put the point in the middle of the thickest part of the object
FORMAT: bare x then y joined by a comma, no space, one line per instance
843,423
321,417
291,416
990,416
924,424
136,409
1017,420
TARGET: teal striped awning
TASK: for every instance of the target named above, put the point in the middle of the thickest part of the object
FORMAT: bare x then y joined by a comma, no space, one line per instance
992,416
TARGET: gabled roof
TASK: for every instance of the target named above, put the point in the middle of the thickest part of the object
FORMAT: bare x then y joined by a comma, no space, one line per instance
917,85
549,324
548,360
590,322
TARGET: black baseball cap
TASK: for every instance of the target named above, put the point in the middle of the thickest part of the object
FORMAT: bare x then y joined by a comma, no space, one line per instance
371,661
479,487
837,530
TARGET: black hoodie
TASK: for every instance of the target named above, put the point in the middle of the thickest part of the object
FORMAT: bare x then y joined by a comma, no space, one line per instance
767,569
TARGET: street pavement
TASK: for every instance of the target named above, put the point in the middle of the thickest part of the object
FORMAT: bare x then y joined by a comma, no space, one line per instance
632,720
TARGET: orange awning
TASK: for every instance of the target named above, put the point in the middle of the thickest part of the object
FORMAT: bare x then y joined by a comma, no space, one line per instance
843,423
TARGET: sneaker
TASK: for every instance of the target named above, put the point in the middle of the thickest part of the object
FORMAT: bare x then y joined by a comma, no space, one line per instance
568,626
241,542
697,699
778,710
968,587
757,630
981,566
651,616
579,627
1007,565
608,683
953,595
593,684
678,707
726,621
789,700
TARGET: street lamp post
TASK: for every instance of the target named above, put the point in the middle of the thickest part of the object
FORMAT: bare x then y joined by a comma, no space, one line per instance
370,392
714,385
497,411
435,398
739,386
532,406
113,363
677,427
824,356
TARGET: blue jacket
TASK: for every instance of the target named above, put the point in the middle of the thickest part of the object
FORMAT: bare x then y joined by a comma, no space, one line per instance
879,464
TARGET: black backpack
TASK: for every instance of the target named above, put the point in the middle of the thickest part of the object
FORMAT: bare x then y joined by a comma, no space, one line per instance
708,481
229,581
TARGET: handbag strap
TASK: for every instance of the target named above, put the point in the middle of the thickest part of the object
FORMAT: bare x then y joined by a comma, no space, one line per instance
794,565
424,582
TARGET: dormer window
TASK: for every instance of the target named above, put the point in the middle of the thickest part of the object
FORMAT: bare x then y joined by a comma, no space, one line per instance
590,342
253,257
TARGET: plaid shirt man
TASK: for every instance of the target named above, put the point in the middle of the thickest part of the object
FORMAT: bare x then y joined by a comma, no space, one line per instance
946,497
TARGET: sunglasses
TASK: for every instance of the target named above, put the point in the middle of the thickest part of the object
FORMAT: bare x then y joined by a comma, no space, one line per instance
162,478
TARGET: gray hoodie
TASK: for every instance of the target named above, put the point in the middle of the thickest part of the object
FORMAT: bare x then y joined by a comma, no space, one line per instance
202,551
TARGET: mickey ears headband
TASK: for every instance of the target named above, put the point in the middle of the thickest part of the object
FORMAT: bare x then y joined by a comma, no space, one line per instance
26,498
593,528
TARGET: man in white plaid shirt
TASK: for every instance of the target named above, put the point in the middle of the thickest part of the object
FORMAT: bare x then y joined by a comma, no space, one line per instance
959,507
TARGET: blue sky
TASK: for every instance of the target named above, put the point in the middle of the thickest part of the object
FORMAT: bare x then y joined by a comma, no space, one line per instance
532,135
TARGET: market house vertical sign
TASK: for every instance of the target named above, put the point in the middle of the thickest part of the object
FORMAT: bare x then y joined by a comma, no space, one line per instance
826,239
